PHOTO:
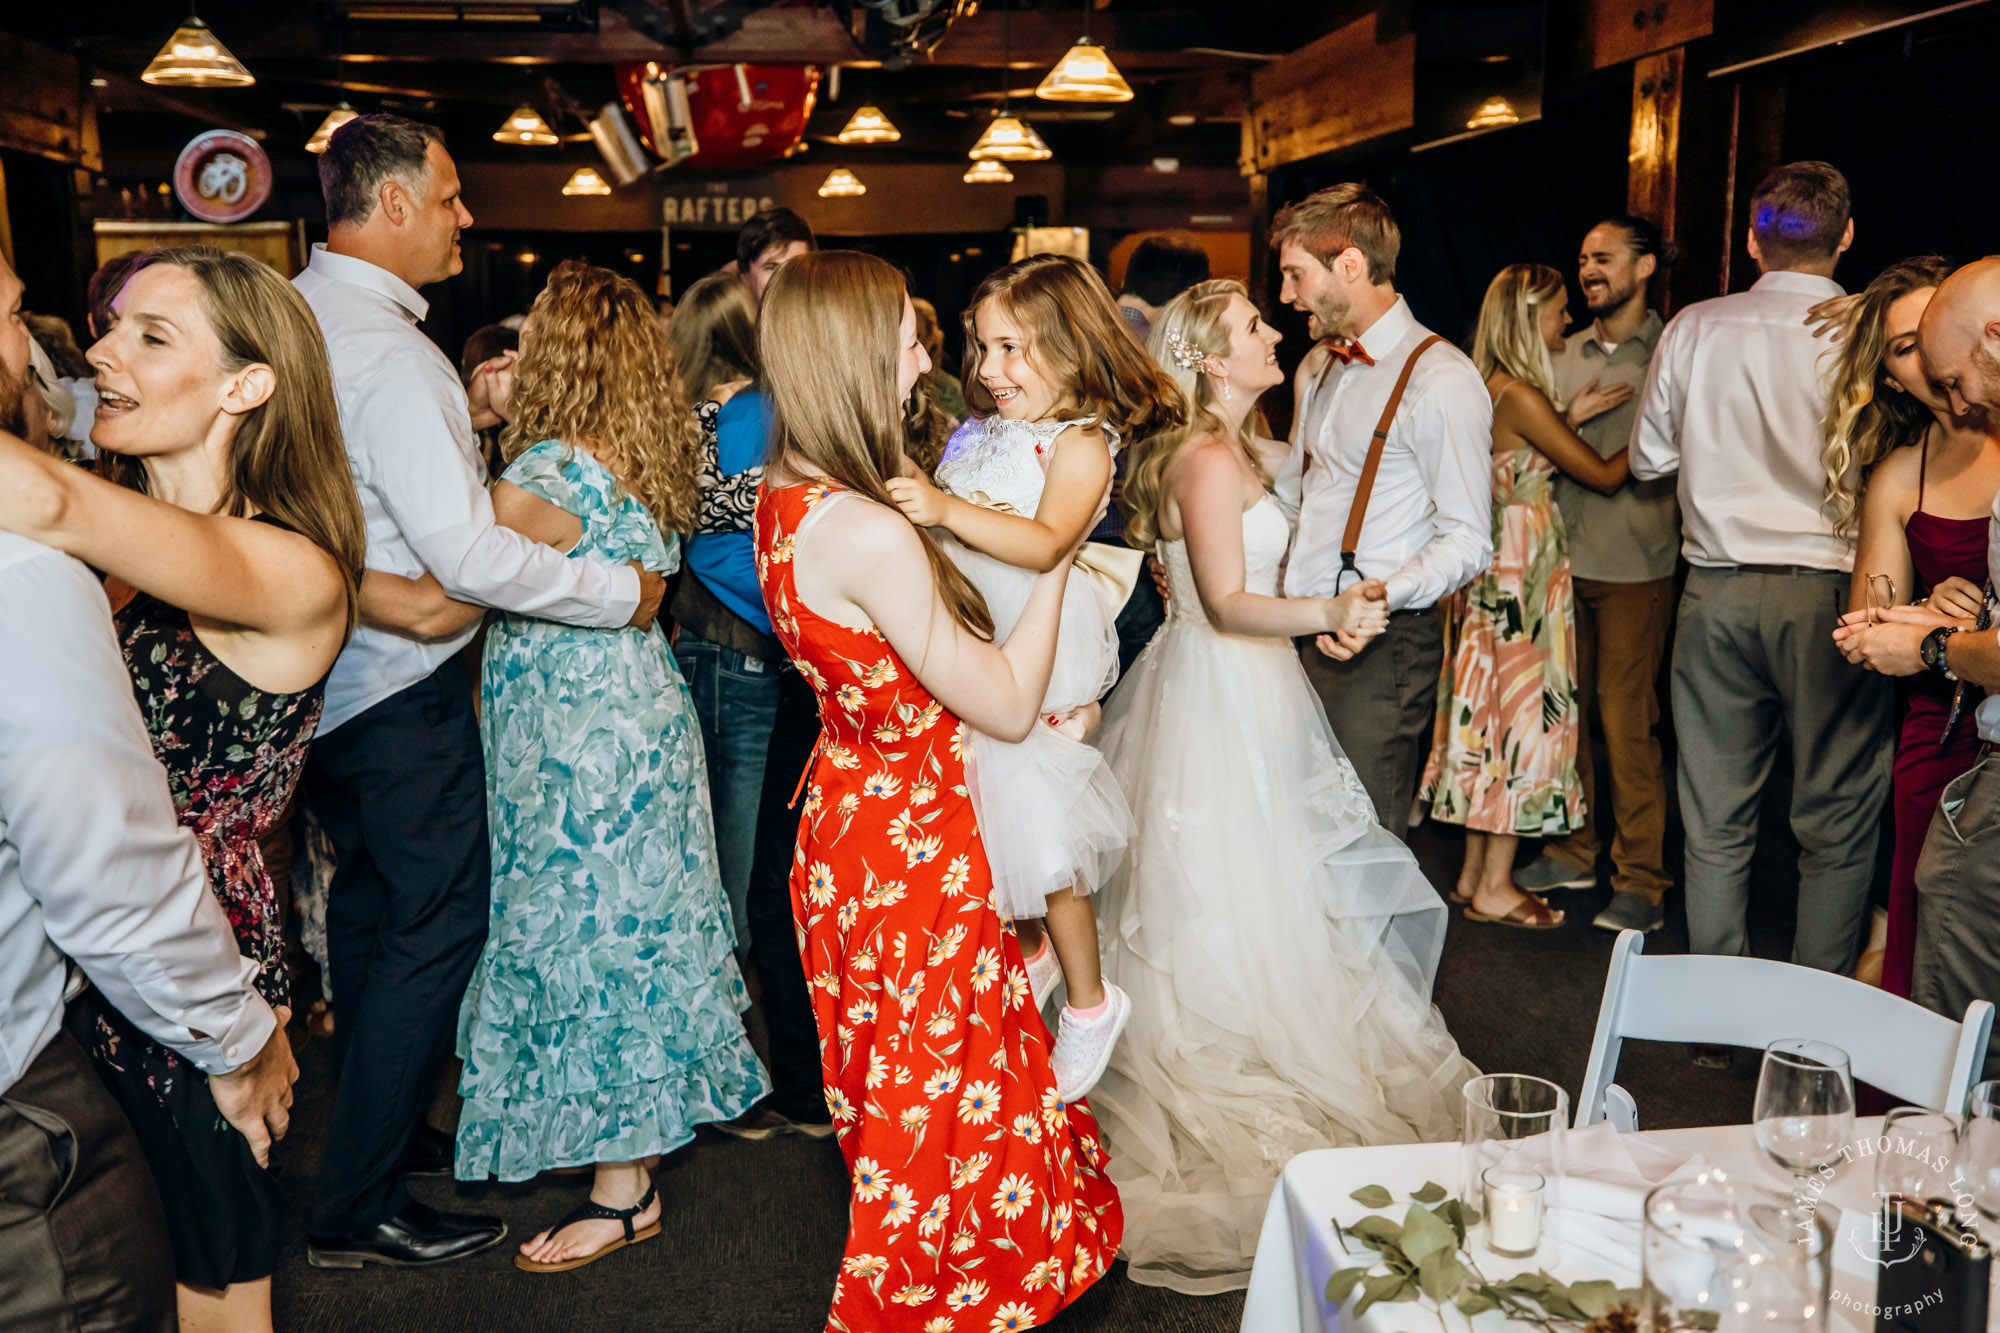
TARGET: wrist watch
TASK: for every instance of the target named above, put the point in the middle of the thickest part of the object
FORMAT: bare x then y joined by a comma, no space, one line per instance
1933,650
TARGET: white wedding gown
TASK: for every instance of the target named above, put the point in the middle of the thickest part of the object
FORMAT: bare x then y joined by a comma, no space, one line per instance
1277,943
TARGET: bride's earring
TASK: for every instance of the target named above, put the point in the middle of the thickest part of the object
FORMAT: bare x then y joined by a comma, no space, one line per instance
1226,394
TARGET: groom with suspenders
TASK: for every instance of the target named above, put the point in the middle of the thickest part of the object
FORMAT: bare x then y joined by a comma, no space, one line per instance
1389,477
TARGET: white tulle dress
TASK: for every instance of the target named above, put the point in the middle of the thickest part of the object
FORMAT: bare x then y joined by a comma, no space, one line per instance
1278,945
1050,814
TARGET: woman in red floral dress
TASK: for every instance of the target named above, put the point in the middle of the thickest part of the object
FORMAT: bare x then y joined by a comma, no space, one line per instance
979,1200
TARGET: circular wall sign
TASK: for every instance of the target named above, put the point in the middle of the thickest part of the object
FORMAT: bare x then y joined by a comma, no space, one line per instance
222,176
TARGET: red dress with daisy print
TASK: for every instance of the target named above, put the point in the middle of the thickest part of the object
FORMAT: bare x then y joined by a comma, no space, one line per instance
980,1202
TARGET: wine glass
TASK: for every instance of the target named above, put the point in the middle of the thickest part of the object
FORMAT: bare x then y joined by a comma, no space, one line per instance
1881,595
1714,1253
1805,1104
1917,1156
1979,1149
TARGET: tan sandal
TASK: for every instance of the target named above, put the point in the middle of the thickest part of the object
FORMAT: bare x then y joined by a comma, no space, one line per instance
592,1212
1531,913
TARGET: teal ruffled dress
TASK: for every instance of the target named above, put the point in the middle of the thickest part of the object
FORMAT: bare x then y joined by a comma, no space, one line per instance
604,1021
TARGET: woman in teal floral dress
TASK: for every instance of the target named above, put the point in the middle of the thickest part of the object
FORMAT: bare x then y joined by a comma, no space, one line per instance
604,1020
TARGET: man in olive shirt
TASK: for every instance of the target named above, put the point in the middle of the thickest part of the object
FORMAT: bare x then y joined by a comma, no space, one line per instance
1622,549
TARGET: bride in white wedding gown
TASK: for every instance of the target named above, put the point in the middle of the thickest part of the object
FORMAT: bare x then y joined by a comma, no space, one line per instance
1278,945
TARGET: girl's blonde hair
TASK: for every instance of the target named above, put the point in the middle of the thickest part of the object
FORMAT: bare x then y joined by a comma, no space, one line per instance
287,459
1072,334
714,334
1509,337
596,372
1866,419
830,339
1190,330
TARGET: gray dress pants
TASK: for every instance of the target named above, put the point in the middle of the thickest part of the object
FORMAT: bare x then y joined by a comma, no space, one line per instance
1382,704
1958,900
1753,661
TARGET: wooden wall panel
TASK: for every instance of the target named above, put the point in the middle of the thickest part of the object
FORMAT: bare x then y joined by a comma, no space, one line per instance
1619,30
42,105
1347,87
1654,158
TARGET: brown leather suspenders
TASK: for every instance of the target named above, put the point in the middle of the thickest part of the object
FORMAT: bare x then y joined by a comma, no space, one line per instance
1350,540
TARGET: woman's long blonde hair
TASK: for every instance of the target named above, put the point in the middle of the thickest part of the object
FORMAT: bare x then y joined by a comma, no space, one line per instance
287,459
830,339
714,334
1509,336
1191,328
1074,336
1866,418
596,373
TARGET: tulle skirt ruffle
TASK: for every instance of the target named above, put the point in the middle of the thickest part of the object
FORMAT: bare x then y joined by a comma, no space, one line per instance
1278,946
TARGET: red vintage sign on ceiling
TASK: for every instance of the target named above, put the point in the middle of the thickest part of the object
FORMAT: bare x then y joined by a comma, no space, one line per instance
222,176
742,115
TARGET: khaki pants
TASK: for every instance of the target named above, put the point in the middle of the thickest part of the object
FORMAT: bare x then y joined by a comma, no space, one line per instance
83,1243
1958,900
1621,638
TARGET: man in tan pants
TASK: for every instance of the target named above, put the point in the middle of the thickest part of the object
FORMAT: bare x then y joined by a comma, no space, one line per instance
1622,549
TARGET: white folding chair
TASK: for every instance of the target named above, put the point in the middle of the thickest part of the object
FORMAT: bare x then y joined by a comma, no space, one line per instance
1902,1048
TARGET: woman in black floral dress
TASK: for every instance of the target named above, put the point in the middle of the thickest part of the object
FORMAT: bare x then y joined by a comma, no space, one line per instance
232,588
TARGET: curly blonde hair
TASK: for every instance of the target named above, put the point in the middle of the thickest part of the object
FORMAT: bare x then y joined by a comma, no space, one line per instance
1866,421
1509,336
1192,322
597,373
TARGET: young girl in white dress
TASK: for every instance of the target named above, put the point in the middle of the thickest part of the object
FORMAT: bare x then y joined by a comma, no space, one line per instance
1277,942
1055,383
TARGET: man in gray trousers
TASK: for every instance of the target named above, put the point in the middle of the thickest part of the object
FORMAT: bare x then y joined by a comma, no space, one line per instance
1733,403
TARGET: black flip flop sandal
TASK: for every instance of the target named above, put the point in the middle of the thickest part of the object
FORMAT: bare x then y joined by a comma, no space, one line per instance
594,1212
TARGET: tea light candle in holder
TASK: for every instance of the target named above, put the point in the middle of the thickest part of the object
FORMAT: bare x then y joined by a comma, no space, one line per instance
1513,1203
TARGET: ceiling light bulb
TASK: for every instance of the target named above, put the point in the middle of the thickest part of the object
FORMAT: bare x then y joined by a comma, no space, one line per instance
525,126
586,181
868,125
1011,140
194,58
335,118
841,183
1086,74
987,171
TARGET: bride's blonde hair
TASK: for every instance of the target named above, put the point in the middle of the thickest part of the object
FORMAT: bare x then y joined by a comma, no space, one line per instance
1185,334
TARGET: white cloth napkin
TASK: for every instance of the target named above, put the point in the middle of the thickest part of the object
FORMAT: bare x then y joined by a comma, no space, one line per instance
1605,1183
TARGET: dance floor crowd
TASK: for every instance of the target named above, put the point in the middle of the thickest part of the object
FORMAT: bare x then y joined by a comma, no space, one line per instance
1038,744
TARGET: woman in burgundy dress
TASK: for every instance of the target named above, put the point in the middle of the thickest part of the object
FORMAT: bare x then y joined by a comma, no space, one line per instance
979,1199
232,536
1922,522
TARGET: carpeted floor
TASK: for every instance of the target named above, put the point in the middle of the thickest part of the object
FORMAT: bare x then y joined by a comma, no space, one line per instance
752,1232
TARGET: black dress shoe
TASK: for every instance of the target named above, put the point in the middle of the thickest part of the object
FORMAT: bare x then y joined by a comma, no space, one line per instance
416,1236
430,1153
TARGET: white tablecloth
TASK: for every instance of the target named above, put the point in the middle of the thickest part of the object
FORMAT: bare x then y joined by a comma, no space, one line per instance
1298,1250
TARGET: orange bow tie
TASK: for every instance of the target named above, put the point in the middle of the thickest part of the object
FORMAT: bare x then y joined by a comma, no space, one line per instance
1347,351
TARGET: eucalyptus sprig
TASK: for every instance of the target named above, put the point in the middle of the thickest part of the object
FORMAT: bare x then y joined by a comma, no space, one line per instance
1425,1257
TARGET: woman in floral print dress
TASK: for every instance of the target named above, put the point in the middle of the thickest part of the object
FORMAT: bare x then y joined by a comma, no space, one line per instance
979,1199
230,529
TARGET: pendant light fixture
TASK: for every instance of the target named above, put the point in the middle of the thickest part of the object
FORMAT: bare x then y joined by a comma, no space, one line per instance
841,183
1493,113
526,126
1085,73
1011,140
586,181
195,58
988,171
868,125
1006,137
335,118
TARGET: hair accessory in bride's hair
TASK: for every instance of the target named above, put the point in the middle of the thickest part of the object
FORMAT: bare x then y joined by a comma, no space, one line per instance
1186,355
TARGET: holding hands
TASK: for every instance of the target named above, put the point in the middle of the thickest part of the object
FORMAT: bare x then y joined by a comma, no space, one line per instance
1889,640
1353,618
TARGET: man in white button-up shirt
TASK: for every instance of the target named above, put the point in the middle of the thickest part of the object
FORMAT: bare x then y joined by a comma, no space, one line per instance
396,777
1428,526
1733,403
